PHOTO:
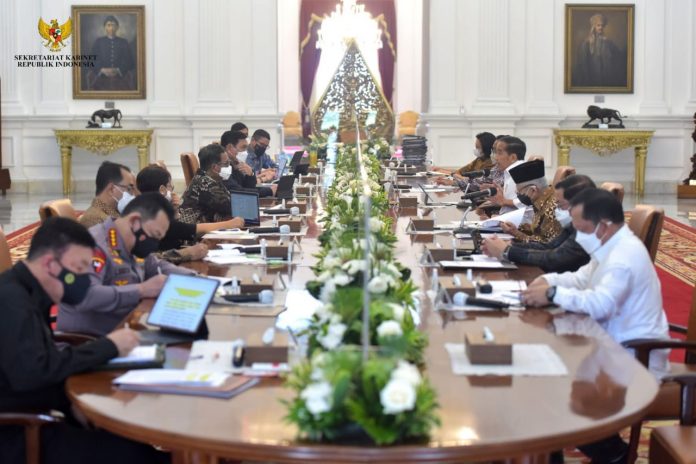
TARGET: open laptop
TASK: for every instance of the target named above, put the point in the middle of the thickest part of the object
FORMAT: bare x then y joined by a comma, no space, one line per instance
296,159
282,163
284,190
246,204
180,309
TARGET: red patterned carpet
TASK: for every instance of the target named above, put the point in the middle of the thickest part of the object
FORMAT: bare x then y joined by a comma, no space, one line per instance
676,268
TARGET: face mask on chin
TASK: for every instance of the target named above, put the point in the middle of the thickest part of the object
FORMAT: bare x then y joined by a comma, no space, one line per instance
590,242
563,217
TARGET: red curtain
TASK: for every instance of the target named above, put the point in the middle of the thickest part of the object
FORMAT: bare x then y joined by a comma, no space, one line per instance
311,13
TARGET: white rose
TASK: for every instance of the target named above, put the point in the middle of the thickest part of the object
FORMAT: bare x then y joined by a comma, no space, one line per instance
317,397
354,266
378,284
389,329
333,337
323,312
375,224
342,279
327,291
398,311
397,396
407,372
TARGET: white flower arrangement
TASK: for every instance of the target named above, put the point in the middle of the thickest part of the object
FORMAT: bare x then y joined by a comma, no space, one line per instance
317,397
389,329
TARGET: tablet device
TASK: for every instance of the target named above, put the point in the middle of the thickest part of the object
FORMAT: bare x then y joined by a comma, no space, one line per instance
246,205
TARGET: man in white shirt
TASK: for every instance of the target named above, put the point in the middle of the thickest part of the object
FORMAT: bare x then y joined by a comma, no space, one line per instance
619,287
509,153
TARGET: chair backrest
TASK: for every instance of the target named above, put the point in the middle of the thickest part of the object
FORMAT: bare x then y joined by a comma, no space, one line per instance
351,136
62,208
5,259
561,173
646,222
615,188
190,165
408,120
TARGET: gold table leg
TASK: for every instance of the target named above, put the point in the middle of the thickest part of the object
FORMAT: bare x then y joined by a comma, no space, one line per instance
564,155
142,156
639,181
66,165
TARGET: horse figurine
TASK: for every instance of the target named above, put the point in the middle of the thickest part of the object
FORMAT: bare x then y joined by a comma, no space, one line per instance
595,112
106,114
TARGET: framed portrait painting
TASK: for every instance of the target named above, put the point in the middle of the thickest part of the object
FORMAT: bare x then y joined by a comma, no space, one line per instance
599,48
113,37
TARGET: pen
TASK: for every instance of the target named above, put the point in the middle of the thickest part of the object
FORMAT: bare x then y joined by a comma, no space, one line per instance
487,334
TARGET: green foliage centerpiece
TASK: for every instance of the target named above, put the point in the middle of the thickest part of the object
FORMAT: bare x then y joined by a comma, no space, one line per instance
362,371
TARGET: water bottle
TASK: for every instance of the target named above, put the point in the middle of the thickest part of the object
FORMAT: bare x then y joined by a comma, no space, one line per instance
263,244
434,280
234,286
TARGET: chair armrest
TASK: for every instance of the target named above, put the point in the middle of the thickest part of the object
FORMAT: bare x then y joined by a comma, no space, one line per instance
643,346
28,418
73,339
688,386
677,328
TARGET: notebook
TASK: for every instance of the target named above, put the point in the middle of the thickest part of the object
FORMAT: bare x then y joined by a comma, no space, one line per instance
246,205
184,382
179,309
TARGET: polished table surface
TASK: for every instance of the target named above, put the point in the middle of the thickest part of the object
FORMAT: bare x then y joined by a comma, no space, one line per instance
523,418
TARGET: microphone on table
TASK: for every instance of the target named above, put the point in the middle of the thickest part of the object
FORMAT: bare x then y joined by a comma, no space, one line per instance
294,211
462,299
481,193
263,297
474,174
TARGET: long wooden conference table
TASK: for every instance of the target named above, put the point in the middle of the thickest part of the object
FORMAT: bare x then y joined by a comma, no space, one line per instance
513,419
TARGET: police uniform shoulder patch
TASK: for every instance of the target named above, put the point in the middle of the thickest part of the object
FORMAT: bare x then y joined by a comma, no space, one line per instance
98,260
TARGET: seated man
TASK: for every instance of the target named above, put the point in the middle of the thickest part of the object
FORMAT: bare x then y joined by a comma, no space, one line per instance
115,188
242,178
207,199
558,255
482,160
33,370
258,159
123,269
509,153
534,191
155,178
619,287
240,127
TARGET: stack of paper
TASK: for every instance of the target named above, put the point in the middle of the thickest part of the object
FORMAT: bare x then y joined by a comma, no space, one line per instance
230,256
183,382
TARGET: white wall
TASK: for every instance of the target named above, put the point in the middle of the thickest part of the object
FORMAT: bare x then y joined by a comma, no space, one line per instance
209,63
497,65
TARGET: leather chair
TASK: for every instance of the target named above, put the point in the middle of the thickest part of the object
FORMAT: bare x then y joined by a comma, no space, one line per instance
666,404
292,124
62,208
677,443
5,258
32,421
615,188
190,164
561,173
408,120
646,222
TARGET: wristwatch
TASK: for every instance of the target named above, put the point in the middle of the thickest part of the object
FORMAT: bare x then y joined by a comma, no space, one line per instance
551,293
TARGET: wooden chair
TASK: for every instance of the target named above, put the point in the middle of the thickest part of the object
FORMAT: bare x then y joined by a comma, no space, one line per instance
190,164
62,208
666,403
646,222
292,124
33,420
408,120
615,188
676,444
561,173
5,258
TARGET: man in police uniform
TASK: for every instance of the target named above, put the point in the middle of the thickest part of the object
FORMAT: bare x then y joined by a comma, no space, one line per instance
123,269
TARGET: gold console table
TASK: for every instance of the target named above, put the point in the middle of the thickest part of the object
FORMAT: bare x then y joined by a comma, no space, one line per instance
606,142
102,142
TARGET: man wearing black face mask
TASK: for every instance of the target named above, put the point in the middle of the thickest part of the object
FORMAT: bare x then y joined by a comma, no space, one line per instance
533,191
33,369
124,270
258,159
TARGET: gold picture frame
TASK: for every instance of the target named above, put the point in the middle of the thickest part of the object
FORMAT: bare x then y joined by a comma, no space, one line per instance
599,48
114,36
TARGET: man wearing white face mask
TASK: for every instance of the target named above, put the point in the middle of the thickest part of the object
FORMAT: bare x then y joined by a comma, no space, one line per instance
206,199
115,189
558,255
619,287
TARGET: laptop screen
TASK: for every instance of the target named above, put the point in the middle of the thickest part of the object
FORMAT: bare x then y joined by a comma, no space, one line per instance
296,158
183,302
281,167
246,205
285,187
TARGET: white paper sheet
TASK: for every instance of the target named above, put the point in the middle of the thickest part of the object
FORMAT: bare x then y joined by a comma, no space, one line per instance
139,353
527,360
515,217
172,377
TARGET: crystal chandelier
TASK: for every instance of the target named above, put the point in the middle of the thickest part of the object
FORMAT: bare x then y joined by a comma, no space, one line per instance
349,22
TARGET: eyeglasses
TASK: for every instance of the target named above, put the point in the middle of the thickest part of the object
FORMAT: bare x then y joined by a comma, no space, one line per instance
128,188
